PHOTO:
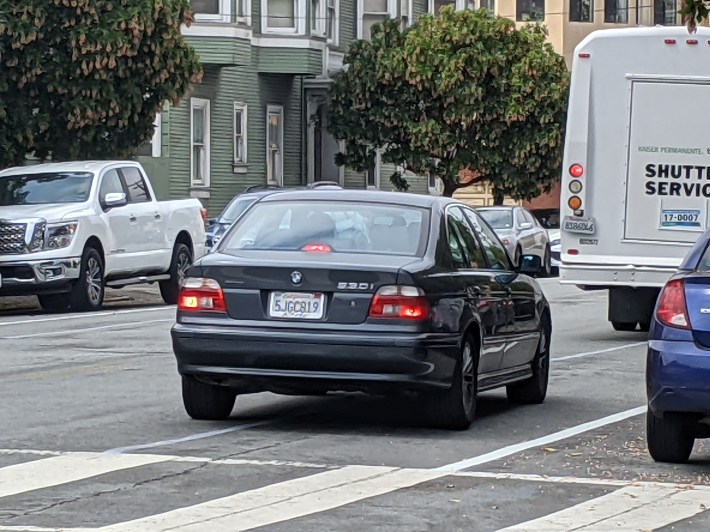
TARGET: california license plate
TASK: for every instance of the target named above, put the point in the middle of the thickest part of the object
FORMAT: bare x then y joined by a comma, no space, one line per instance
579,225
296,305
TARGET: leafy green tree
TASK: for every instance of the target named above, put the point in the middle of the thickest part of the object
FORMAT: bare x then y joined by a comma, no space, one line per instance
86,78
462,91
694,11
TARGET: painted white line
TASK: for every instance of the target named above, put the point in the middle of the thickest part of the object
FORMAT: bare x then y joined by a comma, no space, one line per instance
548,480
281,502
85,315
637,507
599,352
6,528
47,472
192,437
544,440
71,332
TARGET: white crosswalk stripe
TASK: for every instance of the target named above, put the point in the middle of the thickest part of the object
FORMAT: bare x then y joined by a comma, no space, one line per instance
631,506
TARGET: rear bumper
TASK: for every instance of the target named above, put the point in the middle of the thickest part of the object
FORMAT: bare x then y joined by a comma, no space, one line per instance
678,377
256,359
614,275
29,277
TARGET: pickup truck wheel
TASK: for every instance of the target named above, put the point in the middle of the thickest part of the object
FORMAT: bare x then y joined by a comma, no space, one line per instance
181,261
88,291
206,401
54,302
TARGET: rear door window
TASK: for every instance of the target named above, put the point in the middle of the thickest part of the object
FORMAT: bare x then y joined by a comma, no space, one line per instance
497,256
137,188
474,254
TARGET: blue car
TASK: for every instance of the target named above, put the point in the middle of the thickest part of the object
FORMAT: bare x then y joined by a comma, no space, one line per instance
678,360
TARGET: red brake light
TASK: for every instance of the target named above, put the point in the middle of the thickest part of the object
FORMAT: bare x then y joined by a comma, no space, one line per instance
692,41
576,170
403,302
201,295
316,248
669,41
203,213
573,252
672,309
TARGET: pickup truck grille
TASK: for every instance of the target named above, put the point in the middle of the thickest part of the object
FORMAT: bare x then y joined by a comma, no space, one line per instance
12,238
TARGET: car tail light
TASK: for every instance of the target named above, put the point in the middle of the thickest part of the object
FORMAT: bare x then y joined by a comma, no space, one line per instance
316,248
576,170
404,302
201,295
672,309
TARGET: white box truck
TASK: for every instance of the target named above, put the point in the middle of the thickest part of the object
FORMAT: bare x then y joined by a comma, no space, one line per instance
636,168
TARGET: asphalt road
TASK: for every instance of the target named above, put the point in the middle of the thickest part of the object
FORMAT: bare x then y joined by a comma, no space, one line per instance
93,436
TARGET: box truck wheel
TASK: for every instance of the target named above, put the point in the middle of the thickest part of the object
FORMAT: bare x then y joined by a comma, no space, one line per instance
623,326
631,306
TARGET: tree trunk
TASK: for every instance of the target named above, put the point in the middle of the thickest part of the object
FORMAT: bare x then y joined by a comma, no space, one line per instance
449,188
498,198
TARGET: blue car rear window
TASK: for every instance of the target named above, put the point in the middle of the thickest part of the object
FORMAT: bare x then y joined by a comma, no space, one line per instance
349,227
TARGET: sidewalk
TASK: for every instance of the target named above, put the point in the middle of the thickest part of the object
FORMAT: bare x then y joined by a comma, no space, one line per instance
131,295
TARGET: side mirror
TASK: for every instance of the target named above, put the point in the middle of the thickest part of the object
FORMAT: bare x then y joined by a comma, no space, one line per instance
530,265
115,199
525,226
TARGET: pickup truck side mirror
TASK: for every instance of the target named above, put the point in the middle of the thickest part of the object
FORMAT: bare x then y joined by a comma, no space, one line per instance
525,226
115,199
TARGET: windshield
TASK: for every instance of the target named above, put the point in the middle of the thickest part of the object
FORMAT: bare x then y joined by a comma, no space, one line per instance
340,226
40,189
498,218
235,209
549,219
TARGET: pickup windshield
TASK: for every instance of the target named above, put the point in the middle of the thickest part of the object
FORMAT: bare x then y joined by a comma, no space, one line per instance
46,188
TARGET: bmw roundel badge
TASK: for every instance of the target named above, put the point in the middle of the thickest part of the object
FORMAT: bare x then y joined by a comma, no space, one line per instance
296,277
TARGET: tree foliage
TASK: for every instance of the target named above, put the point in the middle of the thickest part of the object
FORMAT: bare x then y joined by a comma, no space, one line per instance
694,11
86,78
464,90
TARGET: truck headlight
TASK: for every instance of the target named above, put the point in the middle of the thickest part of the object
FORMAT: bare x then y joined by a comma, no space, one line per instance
60,235
37,241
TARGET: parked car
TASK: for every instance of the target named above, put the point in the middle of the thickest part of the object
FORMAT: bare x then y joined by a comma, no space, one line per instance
70,230
521,233
550,220
678,364
241,202
380,292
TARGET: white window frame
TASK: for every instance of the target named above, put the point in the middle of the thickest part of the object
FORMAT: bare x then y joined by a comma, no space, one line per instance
271,110
156,142
200,103
320,21
408,17
300,23
460,5
378,173
224,15
335,39
240,107
391,11
245,17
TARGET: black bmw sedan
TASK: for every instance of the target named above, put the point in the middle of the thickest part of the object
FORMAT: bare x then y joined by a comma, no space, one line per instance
377,292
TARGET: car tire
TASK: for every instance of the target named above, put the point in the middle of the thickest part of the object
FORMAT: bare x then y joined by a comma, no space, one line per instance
88,291
669,438
54,302
623,326
518,256
533,391
181,261
206,401
546,264
455,408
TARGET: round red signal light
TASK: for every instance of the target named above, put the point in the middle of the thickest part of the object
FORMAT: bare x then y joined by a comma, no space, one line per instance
576,170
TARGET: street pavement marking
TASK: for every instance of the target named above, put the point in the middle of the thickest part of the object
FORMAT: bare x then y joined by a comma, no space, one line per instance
544,440
599,352
47,472
74,331
638,507
282,501
90,315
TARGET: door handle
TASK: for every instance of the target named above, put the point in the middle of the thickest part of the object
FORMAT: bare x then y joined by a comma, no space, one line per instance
132,218
157,216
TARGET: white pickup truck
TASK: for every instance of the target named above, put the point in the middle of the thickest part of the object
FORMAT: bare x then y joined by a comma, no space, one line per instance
70,230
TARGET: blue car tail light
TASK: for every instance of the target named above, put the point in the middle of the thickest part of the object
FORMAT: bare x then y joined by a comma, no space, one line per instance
672,309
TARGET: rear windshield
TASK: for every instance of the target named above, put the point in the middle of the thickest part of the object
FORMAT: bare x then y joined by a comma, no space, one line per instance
498,219
347,227
46,188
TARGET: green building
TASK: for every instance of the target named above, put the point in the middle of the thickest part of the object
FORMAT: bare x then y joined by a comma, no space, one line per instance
258,116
